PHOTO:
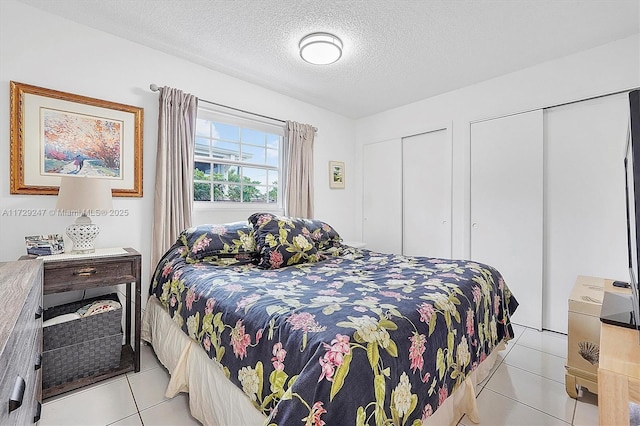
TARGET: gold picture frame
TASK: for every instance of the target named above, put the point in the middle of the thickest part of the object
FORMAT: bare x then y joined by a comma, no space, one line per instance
336,174
55,133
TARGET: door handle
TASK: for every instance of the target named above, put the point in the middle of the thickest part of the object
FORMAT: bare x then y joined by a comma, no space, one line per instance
85,272
17,394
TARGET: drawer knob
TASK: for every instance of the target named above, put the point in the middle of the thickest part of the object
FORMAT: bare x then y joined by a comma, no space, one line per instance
36,417
38,362
85,272
39,312
17,394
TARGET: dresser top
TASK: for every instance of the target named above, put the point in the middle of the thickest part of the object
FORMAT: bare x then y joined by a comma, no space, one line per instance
16,280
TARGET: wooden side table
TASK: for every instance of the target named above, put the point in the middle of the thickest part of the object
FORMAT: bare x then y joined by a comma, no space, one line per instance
583,341
104,267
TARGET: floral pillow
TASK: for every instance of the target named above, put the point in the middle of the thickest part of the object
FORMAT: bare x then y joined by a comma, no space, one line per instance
282,241
206,242
322,234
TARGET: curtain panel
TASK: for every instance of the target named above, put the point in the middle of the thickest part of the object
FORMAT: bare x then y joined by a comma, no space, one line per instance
173,197
298,169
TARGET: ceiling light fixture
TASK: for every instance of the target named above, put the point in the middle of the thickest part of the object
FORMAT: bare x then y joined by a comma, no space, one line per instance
320,48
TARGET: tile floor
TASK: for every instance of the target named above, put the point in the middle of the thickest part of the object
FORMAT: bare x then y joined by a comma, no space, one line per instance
526,387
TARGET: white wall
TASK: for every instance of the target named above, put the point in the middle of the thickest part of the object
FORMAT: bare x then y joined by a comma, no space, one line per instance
606,69
45,50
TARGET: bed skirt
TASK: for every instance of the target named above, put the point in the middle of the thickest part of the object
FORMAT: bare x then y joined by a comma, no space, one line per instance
215,401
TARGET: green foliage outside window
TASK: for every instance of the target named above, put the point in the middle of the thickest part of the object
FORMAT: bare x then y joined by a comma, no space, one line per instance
231,191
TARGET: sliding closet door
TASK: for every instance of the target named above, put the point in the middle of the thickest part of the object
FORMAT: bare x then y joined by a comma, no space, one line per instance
585,222
382,196
507,206
426,194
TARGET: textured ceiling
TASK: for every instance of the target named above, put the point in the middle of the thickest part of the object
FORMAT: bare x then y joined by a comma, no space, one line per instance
395,52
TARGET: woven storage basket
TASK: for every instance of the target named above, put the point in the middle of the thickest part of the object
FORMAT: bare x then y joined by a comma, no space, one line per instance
82,347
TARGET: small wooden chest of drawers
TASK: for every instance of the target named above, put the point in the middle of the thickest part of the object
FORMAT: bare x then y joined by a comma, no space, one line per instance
583,351
20,342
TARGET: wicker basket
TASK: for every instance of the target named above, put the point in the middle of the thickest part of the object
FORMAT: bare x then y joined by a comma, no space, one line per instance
83,347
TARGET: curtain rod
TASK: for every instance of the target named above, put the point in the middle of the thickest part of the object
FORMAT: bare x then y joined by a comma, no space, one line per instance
156,88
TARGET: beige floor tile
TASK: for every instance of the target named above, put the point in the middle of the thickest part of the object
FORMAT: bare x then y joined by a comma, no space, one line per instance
149,386
148,358
586,410
100,405
133,420
535,391
537,362
495,409
545,341
517,332
174,411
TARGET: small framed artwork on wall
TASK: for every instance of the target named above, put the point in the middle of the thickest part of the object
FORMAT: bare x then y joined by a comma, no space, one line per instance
336,174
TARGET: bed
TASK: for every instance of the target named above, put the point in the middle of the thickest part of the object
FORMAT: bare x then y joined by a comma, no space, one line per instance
274,321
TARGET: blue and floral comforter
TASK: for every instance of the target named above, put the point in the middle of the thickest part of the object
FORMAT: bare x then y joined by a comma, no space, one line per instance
359,338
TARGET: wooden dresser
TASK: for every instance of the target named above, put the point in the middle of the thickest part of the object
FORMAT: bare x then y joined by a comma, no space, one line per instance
20,342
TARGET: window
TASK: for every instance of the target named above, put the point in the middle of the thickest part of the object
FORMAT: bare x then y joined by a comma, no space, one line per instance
237,159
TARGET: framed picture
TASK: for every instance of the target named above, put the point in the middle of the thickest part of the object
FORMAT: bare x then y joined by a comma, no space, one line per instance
336,174
44,245
55,133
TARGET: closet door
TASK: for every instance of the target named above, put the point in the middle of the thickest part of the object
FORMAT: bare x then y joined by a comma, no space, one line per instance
507,206
585,216
426,194
382,196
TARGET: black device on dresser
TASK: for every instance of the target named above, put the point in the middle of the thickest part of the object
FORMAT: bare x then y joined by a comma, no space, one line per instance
618,309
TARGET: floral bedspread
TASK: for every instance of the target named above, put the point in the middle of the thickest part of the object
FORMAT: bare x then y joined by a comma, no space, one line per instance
359,338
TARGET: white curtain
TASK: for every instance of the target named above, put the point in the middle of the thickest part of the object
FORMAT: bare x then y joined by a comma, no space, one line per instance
173,200
298,169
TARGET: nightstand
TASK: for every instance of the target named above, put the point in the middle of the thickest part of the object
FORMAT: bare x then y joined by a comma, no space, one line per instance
583,339
104,267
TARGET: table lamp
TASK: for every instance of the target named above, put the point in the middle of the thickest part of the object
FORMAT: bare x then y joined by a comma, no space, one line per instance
84,195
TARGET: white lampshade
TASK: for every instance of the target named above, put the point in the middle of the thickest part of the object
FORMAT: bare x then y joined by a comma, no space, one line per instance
320,48
84,193
87,196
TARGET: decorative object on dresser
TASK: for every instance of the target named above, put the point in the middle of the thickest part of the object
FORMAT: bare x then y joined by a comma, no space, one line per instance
21,342
44,245
104,267
84,195
583,351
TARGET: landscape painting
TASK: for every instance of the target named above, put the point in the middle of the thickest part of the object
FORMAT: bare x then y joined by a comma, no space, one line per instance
80,144
55,133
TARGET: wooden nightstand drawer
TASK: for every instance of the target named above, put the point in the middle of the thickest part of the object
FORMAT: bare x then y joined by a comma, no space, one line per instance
89,273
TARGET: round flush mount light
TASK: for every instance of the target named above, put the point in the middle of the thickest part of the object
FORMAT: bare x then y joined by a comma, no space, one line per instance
320,48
